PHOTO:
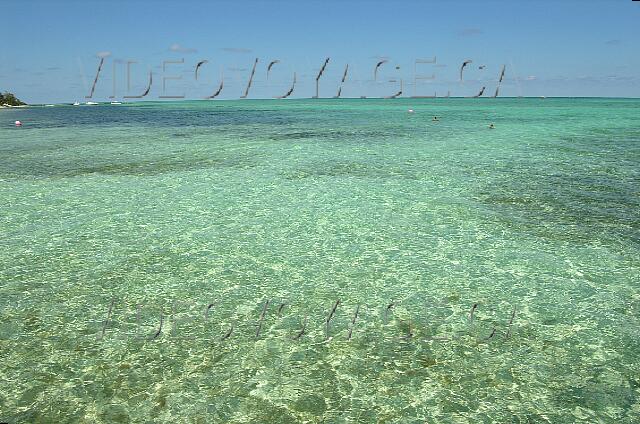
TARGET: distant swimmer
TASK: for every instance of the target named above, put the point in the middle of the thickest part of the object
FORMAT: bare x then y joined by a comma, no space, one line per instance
18,124
435,119
491,126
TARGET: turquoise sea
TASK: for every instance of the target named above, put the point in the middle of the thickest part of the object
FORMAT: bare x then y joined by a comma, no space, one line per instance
140,243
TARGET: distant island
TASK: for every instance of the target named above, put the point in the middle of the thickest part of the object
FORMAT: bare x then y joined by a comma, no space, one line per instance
8,99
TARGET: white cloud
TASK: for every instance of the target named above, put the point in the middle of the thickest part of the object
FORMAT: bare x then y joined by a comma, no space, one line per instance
175,47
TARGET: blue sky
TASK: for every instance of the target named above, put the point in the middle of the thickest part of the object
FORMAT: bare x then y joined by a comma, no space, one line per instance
551,48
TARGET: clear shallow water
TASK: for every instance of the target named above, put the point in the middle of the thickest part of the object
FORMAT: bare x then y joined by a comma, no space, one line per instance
174,206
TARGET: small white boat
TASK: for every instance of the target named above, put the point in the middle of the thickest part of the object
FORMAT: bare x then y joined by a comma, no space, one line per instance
91,103
116,103
49,105
76,103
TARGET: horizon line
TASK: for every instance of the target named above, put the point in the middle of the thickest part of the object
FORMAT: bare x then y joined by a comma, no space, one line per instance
107,102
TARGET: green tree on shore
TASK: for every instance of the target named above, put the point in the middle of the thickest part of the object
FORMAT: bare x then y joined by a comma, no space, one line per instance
9,99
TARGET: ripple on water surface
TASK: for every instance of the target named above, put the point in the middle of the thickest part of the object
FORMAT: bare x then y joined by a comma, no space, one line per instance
140,244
